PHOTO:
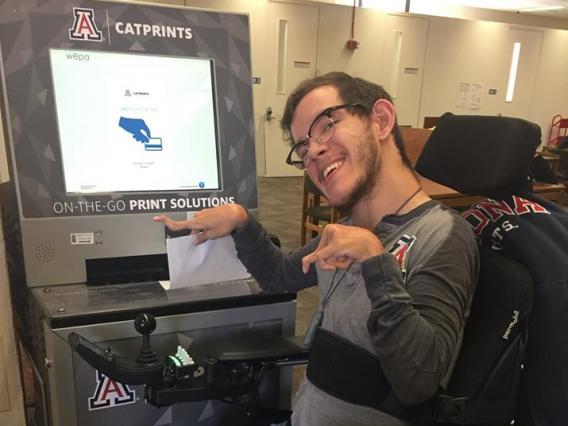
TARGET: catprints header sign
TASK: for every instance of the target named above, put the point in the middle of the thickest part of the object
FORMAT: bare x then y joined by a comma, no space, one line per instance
85,28
116,108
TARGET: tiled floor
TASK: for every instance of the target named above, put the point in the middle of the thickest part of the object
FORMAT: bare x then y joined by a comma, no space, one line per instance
280,205
280,202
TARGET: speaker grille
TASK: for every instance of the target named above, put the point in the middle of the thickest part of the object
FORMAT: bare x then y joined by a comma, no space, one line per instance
44,253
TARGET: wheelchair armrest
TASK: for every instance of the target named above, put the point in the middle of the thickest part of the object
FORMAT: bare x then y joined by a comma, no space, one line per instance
122,369
278,349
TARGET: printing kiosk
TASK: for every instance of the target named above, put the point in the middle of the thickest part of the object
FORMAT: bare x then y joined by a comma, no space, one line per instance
113,112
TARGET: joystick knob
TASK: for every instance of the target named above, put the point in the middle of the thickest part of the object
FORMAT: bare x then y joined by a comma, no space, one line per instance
146,324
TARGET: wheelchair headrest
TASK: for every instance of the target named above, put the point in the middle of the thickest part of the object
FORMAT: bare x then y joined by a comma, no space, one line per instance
480,155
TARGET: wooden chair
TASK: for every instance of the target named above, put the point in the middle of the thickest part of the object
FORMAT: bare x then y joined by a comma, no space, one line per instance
314,210
430,122
414,140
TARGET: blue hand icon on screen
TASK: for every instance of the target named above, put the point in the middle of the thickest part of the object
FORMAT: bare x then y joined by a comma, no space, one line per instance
137,127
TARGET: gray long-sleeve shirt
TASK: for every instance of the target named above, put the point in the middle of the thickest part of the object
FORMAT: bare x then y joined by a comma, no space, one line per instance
407,306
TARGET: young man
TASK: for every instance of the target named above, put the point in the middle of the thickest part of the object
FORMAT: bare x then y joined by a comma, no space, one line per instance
396,277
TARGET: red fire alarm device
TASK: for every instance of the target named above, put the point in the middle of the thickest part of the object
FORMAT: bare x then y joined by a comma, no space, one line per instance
352,44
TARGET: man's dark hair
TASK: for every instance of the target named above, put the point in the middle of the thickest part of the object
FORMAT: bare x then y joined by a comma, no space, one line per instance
351,90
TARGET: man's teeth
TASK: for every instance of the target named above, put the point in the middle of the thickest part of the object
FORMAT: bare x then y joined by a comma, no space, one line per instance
330,168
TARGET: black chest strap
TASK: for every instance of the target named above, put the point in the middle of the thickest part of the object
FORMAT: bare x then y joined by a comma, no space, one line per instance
350,373
353,374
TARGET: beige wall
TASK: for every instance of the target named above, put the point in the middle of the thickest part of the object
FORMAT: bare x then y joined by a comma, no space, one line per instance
551,84
257,11
11,397
456,50
480,52
463,50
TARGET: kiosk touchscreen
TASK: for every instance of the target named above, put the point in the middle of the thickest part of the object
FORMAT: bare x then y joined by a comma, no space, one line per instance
150,133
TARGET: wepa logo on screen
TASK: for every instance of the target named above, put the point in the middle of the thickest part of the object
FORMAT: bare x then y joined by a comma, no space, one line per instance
84,26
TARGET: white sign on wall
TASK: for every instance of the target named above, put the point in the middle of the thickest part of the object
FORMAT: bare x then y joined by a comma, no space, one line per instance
469,95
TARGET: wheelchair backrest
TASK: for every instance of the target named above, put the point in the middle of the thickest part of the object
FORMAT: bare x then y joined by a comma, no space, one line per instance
485,382
491,157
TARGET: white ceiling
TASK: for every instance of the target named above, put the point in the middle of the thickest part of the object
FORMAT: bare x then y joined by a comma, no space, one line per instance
548,8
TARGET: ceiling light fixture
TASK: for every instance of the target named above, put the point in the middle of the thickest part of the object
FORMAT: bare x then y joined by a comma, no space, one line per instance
542,8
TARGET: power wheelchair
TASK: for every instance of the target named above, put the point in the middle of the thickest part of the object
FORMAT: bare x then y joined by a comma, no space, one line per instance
486,380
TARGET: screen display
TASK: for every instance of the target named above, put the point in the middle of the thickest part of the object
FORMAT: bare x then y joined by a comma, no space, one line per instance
135,122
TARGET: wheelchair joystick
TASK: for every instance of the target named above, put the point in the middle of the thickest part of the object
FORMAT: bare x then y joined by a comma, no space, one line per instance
146,324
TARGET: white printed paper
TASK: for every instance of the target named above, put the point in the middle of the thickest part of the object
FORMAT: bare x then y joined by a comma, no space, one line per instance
211,262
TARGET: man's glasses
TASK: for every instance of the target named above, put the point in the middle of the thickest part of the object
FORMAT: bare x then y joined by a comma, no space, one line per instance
321,130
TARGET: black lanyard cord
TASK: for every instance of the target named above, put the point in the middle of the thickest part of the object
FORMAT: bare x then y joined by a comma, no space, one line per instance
318,316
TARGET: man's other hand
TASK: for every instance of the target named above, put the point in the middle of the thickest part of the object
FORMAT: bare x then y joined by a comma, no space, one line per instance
341,245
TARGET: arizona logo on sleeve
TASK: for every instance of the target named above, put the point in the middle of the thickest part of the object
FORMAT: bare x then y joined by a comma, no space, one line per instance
400,249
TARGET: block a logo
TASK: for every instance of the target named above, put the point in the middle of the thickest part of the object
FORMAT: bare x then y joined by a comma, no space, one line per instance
84,26
401,247
110,394
400,251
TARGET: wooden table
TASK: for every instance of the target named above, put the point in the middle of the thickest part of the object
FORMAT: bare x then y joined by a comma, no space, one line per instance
456,200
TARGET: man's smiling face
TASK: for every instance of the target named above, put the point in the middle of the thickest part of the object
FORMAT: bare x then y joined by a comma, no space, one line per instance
346,166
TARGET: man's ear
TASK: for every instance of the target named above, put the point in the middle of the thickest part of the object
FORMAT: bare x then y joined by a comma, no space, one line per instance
384,117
